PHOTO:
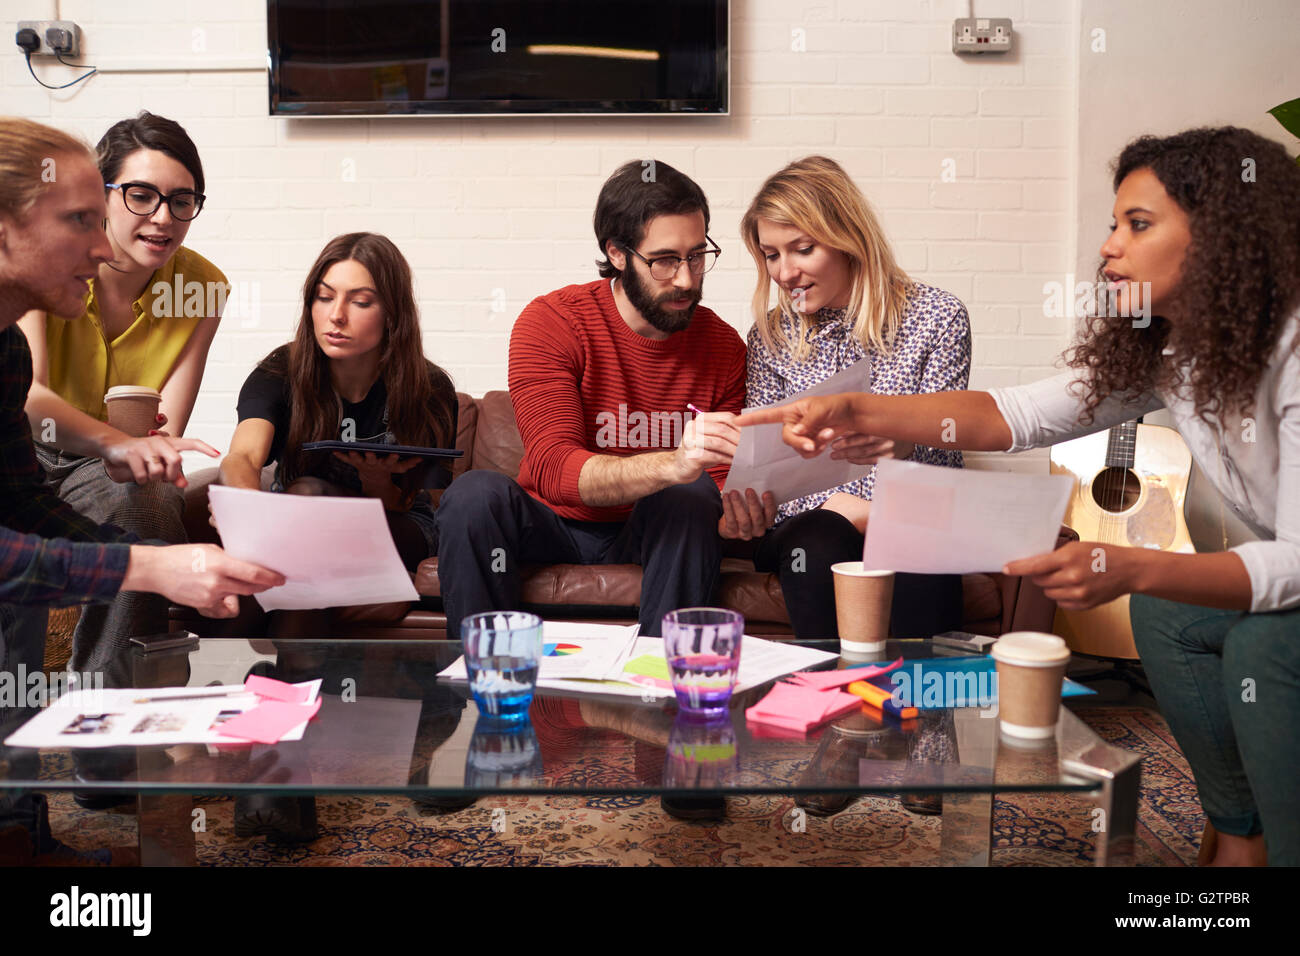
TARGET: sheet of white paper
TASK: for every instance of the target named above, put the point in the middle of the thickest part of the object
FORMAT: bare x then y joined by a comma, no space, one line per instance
760,662
573,650
143,717
765,463
335,552
934,520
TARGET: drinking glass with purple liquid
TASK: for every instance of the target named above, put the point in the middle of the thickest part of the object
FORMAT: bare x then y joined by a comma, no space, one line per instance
702,645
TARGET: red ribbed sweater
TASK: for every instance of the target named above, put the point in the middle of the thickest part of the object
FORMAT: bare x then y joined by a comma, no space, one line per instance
583,384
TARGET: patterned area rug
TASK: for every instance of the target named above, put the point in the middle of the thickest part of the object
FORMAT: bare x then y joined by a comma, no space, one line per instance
1028,829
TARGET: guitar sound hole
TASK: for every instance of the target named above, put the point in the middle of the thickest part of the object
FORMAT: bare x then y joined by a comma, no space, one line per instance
1116,489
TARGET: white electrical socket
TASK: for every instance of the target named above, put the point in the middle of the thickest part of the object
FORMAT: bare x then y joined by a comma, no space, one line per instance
982,35
47,48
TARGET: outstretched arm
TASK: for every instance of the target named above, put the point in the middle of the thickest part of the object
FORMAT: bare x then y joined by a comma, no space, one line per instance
957,420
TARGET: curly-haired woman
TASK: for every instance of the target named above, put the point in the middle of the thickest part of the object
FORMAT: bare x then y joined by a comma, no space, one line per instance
1214,255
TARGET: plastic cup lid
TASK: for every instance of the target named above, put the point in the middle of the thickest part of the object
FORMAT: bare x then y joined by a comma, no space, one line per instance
856,570
1030,649
131,391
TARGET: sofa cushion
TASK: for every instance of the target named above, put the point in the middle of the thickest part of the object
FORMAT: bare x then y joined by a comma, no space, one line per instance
755,594
559,585
497,445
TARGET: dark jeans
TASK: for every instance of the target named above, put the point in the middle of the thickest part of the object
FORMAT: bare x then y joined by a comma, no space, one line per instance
22,650
488,526
801,550
1228,683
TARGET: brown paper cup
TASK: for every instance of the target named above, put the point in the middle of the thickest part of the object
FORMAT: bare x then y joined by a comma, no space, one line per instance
133,408
1030,667
863,600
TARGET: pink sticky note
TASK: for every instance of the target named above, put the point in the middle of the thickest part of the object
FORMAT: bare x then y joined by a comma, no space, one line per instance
801,708
269,721
790,704
839,703
782,699
824,680
276,689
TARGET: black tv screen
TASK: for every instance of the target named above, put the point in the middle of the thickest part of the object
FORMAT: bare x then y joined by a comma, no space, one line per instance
392,57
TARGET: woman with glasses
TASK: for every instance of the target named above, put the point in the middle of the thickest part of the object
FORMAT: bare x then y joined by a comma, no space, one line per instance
841,299
138,331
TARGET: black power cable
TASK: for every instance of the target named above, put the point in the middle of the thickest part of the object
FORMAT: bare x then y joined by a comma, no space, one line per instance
90,72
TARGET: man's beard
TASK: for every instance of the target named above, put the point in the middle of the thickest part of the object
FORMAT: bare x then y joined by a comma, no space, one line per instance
665,320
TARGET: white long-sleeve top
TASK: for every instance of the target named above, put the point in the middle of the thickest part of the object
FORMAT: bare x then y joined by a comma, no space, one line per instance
1254,462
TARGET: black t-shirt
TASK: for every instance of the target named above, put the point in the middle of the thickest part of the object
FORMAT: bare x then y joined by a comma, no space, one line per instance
266,395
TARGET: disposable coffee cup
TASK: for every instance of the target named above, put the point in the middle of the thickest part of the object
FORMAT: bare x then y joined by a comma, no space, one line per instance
863,599
1030,667
133,408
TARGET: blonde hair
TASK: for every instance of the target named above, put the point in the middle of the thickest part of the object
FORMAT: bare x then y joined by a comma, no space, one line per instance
815,195
27,151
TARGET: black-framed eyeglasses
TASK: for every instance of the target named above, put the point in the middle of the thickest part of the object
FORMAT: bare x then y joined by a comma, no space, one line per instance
664,268
144,200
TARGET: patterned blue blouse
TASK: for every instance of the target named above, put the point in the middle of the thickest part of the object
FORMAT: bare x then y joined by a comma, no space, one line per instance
931,353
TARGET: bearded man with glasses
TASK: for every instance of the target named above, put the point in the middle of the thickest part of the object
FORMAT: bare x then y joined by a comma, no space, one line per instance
616,468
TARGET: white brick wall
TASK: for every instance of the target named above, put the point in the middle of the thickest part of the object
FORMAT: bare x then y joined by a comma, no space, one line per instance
505,204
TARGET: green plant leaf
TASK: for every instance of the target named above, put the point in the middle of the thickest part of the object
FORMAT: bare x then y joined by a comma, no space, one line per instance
1288,114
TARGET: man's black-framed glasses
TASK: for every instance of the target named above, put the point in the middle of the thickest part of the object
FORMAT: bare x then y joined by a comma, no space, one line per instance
664,268
144,200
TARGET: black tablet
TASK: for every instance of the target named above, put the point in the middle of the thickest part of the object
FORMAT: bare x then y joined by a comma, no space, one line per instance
379,448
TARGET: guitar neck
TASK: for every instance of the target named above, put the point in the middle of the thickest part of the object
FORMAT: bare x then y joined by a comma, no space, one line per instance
1120,445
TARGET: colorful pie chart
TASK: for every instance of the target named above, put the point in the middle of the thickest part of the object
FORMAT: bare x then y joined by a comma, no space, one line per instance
561,650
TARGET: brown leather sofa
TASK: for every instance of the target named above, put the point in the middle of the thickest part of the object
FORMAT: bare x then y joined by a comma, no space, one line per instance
994,603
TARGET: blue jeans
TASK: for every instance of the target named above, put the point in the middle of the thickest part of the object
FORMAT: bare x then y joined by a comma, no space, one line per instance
1228,683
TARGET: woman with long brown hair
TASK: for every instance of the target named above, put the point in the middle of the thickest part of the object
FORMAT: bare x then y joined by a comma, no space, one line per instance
1206,246
355,371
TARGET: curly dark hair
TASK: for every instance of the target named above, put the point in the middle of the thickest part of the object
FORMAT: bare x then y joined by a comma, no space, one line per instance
1240,276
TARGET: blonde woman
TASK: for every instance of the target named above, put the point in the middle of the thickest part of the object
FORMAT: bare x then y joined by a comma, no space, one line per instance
840,298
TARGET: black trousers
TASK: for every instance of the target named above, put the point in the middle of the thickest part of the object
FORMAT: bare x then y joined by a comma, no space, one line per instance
488,527
801,550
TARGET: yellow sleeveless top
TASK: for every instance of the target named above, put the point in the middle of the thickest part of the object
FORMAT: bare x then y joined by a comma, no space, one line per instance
83,364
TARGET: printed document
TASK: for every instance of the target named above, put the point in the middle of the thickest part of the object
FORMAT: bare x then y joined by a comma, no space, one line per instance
765,463
335,552
932,520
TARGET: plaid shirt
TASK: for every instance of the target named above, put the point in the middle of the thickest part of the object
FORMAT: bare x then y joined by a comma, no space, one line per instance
49,554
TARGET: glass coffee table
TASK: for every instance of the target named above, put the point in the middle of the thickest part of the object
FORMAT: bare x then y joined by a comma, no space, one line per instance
388,726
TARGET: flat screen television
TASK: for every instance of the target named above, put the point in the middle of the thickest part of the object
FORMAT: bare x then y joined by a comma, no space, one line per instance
474,57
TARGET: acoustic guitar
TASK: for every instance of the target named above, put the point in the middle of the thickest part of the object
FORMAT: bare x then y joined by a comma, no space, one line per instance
1134,498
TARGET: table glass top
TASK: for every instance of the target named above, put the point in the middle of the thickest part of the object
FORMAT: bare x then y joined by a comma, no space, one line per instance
388,725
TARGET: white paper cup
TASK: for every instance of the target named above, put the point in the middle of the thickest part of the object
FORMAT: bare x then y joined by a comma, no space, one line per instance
1031,666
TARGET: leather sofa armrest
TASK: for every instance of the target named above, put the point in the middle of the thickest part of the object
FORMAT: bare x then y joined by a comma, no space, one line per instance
1024,605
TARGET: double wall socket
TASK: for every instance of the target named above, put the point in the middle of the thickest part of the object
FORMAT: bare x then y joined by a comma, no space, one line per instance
72,36
982,35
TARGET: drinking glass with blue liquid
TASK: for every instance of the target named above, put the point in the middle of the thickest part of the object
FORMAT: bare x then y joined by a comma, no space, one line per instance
702,645
502,653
